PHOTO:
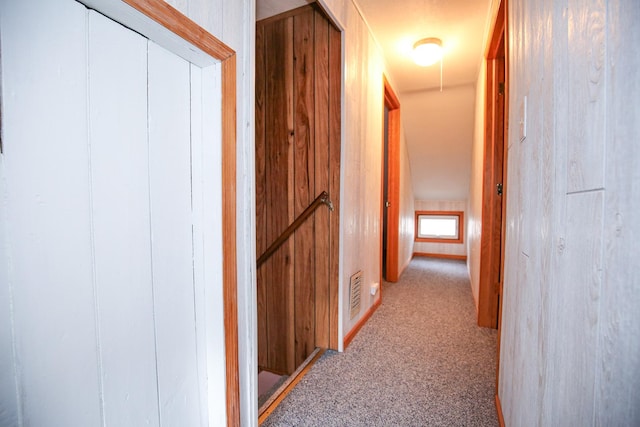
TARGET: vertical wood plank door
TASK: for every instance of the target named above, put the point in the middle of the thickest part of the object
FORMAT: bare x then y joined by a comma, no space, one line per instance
296,142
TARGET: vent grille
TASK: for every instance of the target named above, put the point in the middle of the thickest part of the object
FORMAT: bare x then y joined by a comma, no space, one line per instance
354,294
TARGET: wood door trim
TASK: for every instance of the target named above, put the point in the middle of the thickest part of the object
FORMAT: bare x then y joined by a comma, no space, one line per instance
173,20
160,12
497,45
487,293
393,185
229,267
499,410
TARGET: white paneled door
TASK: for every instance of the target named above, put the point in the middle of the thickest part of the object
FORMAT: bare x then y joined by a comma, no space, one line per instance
110,196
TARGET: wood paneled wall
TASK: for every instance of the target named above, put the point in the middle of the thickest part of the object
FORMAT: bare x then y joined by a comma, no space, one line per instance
570,347
298,58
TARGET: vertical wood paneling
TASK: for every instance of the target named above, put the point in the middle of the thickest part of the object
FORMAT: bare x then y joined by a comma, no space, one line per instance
171,238
574,305
8,385
580,273
322,168
293,113
121,224
279,158
48,212
290,202
587,74
261,184
304,185
9,408
618,369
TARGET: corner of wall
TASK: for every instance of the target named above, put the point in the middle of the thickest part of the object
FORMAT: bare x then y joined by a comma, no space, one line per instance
474,214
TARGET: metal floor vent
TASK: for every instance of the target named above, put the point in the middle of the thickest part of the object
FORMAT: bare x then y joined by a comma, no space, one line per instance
354,294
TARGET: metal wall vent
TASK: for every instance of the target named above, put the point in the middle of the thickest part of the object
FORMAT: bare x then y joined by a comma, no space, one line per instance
354,294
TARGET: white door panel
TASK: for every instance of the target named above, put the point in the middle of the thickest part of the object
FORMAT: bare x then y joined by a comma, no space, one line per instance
111,226
171,225
121,221
44,60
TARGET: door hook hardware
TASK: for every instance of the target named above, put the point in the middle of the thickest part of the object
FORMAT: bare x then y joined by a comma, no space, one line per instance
325,199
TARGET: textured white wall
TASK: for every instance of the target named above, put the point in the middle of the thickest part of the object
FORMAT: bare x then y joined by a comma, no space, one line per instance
474,208
439,128
570,347
407,211
362,158
441,248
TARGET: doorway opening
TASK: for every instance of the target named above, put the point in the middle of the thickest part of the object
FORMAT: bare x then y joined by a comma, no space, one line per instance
298,145
390,185
491,253
494,180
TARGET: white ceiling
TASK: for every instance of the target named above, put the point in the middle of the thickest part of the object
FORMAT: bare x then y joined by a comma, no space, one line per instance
460,24
438,126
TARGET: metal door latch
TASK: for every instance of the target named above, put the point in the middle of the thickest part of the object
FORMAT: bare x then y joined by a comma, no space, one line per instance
499,189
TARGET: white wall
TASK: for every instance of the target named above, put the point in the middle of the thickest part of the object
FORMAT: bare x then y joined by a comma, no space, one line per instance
407,210
362,129
474,208
439,128
457,249
570,347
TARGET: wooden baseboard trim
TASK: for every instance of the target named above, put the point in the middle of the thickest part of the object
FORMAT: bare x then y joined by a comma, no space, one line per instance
354,331
442,256
499,410
295,379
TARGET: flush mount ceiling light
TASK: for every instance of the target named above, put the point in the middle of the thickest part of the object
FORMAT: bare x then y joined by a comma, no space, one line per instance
427,51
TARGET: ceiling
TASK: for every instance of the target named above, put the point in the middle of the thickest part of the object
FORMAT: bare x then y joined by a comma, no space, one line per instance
397,25
438,126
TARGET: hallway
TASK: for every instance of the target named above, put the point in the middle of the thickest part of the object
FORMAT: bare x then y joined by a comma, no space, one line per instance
420,361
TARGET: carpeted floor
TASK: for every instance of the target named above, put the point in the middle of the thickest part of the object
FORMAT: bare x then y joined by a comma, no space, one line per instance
419,361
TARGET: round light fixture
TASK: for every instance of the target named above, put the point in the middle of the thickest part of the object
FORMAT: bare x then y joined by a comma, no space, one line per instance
427,51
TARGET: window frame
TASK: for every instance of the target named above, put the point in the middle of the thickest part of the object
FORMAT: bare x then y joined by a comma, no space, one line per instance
458,214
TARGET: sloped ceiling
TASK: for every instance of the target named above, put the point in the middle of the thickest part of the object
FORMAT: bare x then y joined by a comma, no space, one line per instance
460,24
438,125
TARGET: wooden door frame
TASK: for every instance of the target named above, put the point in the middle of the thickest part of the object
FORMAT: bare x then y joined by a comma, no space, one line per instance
151,20
327,317
393,183
494,164
490,304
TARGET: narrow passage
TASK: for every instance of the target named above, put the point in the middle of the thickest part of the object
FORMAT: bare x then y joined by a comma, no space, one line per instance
421,360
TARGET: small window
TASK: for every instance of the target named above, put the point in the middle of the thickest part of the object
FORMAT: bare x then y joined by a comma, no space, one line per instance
440,227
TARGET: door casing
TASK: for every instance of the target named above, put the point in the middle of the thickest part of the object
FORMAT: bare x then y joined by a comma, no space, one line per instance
161,14
392,178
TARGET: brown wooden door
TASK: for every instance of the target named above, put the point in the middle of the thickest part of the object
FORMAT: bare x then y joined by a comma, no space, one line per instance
297,157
